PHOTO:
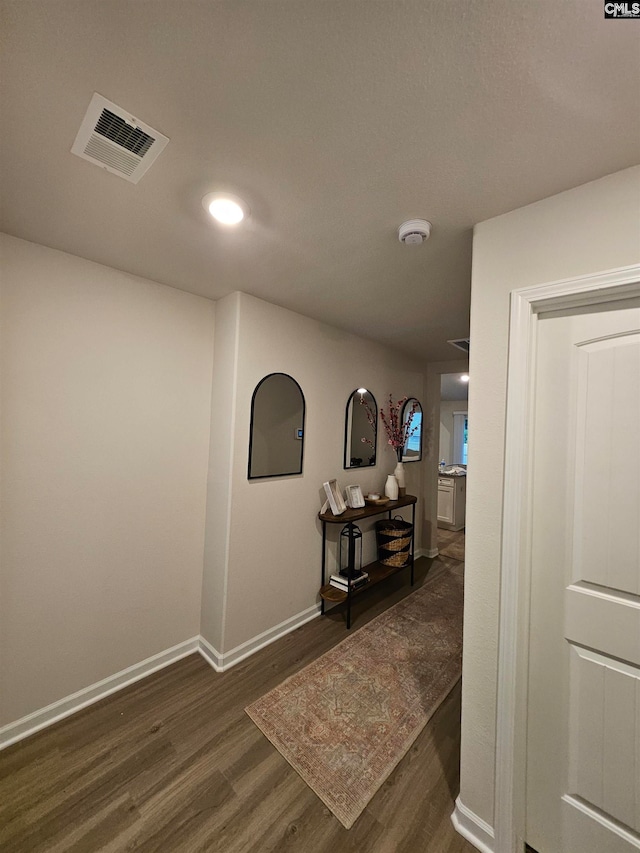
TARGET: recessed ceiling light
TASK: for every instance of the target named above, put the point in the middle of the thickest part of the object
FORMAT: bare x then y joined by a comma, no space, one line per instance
225,209
464,377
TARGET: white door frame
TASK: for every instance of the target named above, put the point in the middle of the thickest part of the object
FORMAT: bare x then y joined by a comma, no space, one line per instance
513,663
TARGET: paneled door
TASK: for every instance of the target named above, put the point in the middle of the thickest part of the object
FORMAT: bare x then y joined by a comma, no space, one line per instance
583,721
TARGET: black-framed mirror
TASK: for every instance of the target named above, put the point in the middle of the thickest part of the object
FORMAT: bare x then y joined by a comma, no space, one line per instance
360,430
276,432
413,448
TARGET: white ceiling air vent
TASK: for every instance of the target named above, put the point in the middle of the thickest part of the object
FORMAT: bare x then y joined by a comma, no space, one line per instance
117,141
461,343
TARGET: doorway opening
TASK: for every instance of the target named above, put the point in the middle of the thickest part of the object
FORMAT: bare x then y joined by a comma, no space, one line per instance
453,454
454,425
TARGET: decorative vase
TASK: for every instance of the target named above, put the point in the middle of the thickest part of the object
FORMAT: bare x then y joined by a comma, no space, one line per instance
399,475
391,488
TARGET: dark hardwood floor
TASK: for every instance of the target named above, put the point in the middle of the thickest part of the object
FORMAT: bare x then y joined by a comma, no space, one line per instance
453,541
173,764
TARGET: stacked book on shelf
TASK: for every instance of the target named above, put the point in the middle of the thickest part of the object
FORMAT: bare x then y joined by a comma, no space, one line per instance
342,582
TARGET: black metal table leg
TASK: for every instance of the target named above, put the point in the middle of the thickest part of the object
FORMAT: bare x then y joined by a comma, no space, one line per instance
413,541
351,565
324,551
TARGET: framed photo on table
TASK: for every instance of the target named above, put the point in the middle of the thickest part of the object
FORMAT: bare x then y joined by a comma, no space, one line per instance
336,501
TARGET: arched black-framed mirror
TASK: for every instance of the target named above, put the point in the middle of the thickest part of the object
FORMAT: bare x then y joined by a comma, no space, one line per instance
276,432
360,430
413,448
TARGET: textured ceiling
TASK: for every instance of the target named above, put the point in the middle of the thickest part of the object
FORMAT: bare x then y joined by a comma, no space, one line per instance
334,119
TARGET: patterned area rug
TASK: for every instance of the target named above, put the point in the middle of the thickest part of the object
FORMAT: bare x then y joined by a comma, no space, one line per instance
346,720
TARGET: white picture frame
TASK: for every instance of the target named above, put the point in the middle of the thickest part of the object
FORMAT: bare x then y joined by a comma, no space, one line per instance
355,498
336,501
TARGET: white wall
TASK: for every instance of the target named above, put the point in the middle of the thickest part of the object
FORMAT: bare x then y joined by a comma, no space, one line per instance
447,410
124,469
590,229
106,387
273,562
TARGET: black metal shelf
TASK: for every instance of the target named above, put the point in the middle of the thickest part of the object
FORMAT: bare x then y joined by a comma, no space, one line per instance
377,572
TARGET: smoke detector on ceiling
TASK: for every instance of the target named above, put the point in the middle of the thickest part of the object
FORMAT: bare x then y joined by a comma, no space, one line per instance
414,231
117,141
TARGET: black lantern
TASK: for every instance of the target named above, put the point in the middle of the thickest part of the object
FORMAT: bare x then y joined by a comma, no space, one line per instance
351,551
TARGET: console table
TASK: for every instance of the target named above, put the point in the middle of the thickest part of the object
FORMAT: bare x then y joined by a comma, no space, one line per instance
377,571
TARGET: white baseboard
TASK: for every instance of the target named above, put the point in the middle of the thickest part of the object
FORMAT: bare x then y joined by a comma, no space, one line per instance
37,720
429,553
32,723
473,828
223,661
210,654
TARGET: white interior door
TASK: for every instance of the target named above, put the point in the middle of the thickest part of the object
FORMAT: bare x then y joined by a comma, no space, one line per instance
583,725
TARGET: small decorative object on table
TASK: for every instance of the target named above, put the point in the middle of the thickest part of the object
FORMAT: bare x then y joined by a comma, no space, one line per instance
391,488
351,553
399,431
336,501
376,500
343,583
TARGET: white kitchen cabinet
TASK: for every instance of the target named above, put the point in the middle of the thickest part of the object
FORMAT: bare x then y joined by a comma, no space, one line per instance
451,502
